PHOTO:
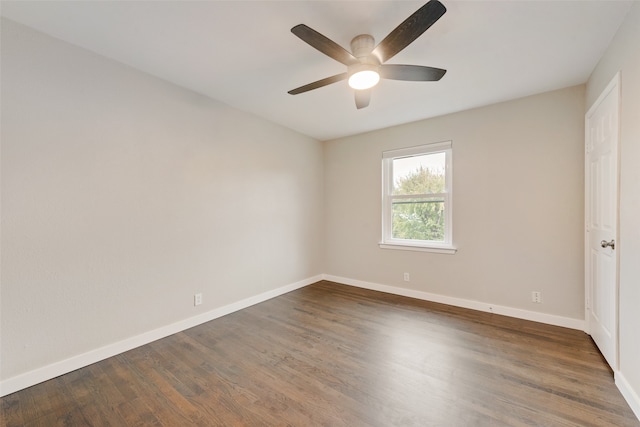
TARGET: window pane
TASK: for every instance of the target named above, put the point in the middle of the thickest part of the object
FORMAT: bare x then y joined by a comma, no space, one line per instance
422,174
418,219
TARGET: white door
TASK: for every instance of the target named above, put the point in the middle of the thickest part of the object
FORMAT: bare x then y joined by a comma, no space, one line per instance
601,211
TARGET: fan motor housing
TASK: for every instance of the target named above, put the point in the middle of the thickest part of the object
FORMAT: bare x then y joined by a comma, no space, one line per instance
362,45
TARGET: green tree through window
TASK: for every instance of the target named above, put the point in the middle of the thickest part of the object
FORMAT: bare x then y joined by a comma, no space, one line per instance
416,198
420,218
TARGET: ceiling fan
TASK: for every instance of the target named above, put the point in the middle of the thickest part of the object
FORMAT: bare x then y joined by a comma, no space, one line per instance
366,63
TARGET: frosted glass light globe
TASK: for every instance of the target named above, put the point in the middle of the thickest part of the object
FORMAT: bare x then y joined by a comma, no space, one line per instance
364,79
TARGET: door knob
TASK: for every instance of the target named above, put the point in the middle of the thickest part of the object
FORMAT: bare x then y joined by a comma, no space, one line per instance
611,244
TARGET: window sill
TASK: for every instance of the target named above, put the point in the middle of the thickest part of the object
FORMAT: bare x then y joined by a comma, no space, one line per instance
433,249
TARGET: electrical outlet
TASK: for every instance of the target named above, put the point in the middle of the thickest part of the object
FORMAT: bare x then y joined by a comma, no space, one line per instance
536,296
197,299
406,277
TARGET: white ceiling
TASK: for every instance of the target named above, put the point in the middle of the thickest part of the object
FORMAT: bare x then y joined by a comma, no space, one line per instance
243,54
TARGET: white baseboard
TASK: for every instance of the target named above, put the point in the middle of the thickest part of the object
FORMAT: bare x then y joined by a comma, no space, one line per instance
48,372
53,370
62,367
535,316
629,394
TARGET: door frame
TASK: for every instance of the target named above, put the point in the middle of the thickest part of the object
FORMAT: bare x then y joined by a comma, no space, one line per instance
613,86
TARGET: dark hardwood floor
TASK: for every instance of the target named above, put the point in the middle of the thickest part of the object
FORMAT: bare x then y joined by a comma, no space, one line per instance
334,355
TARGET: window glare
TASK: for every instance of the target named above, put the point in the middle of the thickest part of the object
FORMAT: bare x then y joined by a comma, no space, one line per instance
419,174
407,165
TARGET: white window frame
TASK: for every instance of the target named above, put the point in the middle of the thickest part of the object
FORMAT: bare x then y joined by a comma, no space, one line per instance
388,242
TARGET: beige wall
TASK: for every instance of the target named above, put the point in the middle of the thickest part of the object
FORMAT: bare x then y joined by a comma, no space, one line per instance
123,195
624,55
518,206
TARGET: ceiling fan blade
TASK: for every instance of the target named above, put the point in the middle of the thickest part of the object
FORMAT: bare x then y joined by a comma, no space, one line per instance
409,30
319,83
414,73
324,45
362,98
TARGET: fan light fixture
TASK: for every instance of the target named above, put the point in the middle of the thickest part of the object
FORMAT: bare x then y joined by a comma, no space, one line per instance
364,79
363,75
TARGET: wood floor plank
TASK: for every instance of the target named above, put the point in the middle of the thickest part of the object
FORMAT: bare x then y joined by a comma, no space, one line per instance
335,355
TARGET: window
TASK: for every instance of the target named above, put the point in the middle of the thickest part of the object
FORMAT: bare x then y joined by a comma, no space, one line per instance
416,198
